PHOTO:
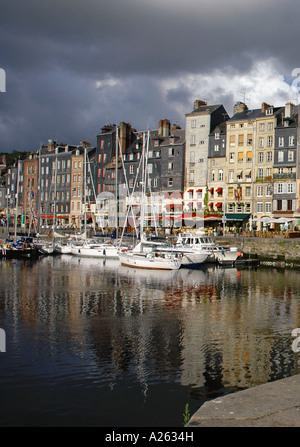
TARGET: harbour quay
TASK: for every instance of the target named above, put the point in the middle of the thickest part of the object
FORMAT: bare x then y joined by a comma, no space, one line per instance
278,251
274,404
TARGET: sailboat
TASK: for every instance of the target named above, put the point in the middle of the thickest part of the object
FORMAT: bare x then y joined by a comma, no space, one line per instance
141,257
22,247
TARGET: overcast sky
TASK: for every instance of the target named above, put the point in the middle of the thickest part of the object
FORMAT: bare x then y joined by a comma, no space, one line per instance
74,65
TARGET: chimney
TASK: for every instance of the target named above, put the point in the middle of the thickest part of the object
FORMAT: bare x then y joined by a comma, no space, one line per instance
125,135
166,128
160,128
198,103
239,107
85,144
265,106
174,128
288,109
51,145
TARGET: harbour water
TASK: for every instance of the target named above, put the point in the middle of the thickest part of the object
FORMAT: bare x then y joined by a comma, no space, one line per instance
92,343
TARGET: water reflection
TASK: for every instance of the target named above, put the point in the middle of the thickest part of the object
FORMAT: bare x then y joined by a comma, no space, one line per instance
98,325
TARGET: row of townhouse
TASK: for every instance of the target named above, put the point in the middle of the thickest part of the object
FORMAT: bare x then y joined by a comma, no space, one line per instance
249,162
218,168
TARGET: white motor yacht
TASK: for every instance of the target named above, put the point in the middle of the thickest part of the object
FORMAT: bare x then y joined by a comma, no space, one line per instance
215,253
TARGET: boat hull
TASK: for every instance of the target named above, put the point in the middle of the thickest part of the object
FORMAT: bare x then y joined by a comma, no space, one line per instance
145,262
29,253
96,252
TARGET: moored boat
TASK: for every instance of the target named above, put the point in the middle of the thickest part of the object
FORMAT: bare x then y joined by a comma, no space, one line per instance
95,250
215,253
151,260
22,249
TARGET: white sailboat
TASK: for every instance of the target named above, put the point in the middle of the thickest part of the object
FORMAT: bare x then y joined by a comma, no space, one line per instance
151,260
141,256
189,257
94,249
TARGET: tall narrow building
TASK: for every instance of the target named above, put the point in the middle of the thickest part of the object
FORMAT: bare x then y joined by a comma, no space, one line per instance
199,125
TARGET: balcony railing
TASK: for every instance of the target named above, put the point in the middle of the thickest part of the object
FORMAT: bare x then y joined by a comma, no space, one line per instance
285,175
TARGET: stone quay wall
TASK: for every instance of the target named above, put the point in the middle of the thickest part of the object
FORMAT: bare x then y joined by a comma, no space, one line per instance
275,251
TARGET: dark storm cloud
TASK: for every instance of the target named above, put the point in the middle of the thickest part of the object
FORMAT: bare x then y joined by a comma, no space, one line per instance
71,65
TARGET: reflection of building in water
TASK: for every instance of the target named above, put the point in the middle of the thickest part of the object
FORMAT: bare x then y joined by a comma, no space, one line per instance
208,328
245,338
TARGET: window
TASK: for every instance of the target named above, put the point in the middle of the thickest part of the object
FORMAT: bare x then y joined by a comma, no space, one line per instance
259,191
268,207
170,166
240,157
261,142
217,148
291,140
249,139
150,168
221,174
232,140
259,207
260,157
268,191
281,141
171,151
241,140
192,157
131,169
262,127
249,156
270,141
170,182
290,155
279,188
193,124
280,155
270,126
231,157
269,156
192,176
193,139
217,135
248,191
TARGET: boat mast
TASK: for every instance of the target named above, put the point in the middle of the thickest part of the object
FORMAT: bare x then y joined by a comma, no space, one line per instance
84,187
144,180
117,158
17,199
55,179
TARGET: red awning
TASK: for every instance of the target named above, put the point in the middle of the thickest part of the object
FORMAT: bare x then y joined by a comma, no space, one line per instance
219,189
210,204
219,204
46,216
199,190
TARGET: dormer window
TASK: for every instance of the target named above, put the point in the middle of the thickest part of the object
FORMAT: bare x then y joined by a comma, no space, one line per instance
269,111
